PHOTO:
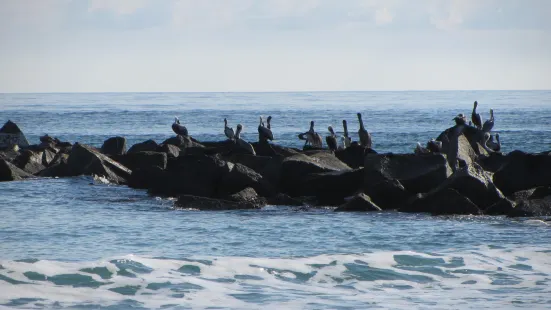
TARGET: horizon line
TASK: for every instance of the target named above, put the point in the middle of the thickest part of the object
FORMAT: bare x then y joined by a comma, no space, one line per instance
263,91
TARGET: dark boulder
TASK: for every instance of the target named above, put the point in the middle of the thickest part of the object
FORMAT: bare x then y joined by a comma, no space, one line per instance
417,173
474,183
270,150
30,162
295,168
190,175
48,156
358,203
523,171
331,188
446,201
541,192
146,146
281,199
85,160
57,170
239,178
256,163
388,194
10,154
354,156
171,151
502,207
11,135
493,162
47,139
248,195
532,207
10,172
204,203
143,159
114,146
147,177
183,142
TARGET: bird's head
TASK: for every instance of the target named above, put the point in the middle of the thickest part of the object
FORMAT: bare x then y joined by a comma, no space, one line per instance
330,128
359,115
476,104
269,118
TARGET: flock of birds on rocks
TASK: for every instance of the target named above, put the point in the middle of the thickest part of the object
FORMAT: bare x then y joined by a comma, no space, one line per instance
314,139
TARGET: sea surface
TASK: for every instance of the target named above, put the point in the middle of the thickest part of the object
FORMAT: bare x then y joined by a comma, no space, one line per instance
75,243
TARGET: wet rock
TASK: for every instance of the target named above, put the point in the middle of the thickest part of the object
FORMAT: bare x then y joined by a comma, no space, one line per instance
114,146
502,207
493,162
523,171
147,177
417,173
143,159
146,146
541,192
256,163
85,160
30,162
48,155
331,188
295,168
58,170
240,177
184,142
532,207
10,172
388,194
11,135
204,203
270,150
10,154
47,139
248,195
191,175
284,200
474,183
442,202
354,156
171,151
358,203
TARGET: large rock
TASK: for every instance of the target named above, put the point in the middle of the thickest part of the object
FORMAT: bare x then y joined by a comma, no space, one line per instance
331,188
388,194
85,160
171,151
10,172
147,177
417,173
281,199
11,135
146,146
474,183
204,203
295,168
354,156
358,203
190,175
183,142
270,150
114,146
523,171
502,207
532,207
493,162
30,162
240,177
137,160
48,156
462,146
442,202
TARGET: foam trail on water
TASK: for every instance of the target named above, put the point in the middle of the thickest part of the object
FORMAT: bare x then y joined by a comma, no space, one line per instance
483,277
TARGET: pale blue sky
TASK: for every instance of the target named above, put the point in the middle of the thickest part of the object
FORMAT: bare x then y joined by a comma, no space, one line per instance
273,45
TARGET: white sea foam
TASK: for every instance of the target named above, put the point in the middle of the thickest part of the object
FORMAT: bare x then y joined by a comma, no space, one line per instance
483,277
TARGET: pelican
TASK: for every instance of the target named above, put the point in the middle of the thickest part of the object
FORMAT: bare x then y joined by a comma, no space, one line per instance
264,134
489,124
460,119
477,120
365,137
434,146
345,139
485,142
179,129
268,121
331,139
494,145
242,143
228,131
311,137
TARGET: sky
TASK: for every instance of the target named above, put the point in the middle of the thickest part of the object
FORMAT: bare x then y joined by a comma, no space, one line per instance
273,45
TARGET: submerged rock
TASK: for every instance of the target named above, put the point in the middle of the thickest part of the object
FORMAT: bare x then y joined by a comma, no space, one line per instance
358,203
204,203
248,195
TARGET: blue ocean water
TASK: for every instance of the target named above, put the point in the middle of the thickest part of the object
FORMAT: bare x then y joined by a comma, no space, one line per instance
74,243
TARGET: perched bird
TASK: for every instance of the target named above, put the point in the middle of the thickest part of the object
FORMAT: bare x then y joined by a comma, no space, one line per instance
228,131
477,120
268,121
311,137
242,143
365,137
346,138
179,129
264,134
494,145
489,124
485,141
331,139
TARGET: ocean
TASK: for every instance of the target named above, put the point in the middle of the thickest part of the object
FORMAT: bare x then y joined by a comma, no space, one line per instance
76,244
